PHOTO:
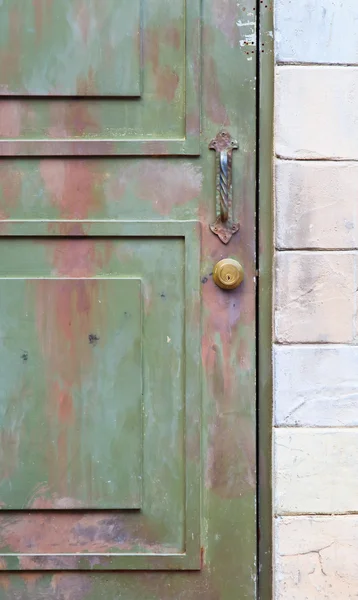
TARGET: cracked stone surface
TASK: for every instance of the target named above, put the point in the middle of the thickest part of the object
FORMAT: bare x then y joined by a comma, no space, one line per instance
316,558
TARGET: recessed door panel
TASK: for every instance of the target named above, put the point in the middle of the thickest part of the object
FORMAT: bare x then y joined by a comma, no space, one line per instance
84,77
70,48
71,394
100,397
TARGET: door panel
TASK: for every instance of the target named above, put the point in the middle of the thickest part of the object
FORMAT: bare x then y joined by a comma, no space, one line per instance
106,198
78,375
110,77
80,48
89,321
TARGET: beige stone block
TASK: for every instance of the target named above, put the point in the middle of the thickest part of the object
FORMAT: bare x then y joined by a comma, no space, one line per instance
316,558
316,31
315,297
316,470
316,385
316,113
316,204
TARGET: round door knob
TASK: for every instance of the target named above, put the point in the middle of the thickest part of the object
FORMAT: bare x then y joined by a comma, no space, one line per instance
228,274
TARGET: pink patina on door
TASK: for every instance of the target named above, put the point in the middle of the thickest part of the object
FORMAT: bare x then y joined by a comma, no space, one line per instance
127,366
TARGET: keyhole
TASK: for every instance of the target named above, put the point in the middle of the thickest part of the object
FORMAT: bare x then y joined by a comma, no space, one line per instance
228,274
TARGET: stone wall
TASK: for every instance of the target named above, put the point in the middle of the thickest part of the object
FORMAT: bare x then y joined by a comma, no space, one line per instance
316,334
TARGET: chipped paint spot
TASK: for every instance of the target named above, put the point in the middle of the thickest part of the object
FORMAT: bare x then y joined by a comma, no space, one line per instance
248,39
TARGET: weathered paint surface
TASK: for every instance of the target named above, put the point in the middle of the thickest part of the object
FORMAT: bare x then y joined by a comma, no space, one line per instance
153,110
71,58
69,282
78,374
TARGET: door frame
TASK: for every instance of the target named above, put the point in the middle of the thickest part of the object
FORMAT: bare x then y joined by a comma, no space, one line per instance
265,228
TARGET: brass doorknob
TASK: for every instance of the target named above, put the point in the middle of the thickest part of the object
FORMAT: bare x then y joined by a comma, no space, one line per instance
228,274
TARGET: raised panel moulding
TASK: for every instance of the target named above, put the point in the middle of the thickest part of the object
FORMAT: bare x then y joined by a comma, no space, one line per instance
133,90
100,398
69,48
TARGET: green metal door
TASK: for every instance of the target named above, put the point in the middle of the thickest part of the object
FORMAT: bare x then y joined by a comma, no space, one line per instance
127,396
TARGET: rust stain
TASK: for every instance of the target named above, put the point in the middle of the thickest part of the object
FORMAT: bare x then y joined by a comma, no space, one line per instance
71,586
42,10
193,123
151,47
231,450
69,229
66,412
202,557
86,86
80,119
10,118
167,84
167,185
75,186
43,498
70,119
152,148
9,448
65,314
75,258
10,55
31,580
10,438
231,464
50,533
173,36
10,188
214,105
5,580
166,79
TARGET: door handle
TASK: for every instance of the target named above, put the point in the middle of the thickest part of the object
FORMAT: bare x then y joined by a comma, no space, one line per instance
224,226
228,274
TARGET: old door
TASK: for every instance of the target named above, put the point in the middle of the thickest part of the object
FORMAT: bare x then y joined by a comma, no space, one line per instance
127,396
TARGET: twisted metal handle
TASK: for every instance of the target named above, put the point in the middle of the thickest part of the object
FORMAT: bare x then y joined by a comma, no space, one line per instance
224,185
224,227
